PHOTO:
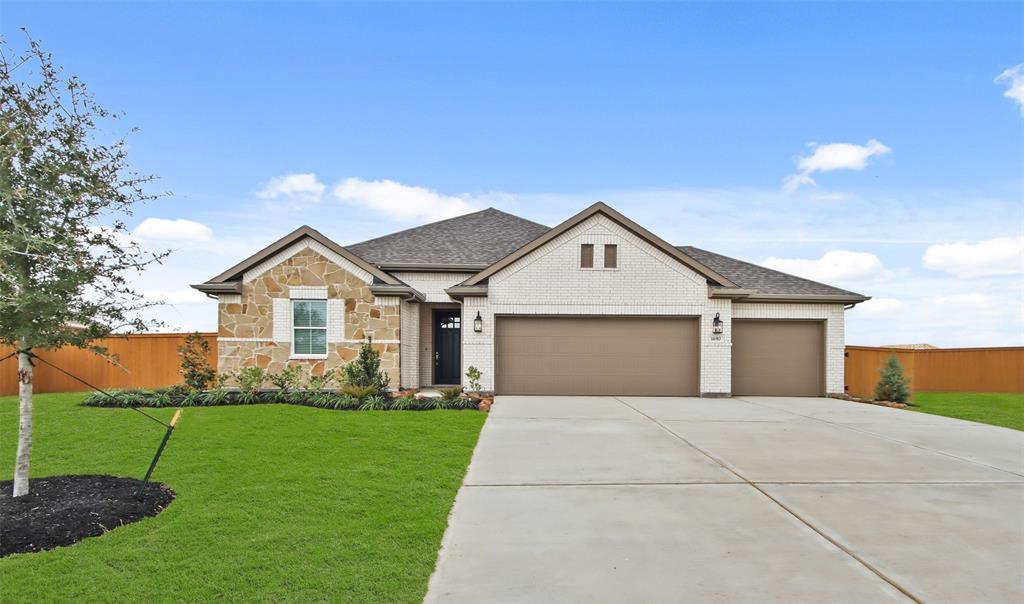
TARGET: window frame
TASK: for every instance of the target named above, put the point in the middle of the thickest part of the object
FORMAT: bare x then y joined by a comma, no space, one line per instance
614,248
309,328
589,247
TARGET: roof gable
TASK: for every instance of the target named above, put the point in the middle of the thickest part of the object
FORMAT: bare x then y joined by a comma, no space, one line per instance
600,208
235,272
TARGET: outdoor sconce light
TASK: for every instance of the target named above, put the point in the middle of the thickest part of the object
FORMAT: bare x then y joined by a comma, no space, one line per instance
478,323
717,325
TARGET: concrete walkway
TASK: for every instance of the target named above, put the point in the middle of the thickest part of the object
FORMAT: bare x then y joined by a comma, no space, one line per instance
604,499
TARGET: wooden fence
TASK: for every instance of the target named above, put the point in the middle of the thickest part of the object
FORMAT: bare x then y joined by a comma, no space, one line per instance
939,369
146,361
151,360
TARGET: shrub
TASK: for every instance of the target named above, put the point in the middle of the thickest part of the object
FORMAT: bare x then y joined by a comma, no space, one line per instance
195,363
359,392
452,394
405,403
892,384
289,378
374,403
251,379
318,383
364,370
474,376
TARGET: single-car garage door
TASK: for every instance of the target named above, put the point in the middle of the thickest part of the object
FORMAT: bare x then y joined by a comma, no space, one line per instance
778,358
653,356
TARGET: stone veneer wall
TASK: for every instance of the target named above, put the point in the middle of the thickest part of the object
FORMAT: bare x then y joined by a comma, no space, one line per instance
246,335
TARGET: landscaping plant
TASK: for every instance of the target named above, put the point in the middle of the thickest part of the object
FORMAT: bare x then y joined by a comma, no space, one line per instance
195,362
65,250
474,375
892,384
289,378
364,370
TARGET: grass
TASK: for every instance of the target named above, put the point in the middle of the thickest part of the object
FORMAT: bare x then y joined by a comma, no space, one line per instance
996,408
275,502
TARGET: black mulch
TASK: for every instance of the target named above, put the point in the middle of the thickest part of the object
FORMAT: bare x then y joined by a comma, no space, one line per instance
61,510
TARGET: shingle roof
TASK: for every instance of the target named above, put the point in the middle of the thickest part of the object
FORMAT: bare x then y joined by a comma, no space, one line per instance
764,280
480,239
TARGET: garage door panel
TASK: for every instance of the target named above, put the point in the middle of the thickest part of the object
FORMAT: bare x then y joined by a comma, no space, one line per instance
597,355
778,358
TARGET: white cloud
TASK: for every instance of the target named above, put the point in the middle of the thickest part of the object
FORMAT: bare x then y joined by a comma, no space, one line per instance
175,296
294,189
1014,77
833,156
835,265
999,256
162,229
401,202
879,307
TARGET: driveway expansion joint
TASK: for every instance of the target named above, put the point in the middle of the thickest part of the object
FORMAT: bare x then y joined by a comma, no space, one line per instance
835,543
854,428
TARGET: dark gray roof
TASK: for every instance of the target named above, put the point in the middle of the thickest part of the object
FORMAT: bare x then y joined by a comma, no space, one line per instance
764,280
480,239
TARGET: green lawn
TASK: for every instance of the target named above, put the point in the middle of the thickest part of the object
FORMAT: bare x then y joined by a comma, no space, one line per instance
275,502
997,408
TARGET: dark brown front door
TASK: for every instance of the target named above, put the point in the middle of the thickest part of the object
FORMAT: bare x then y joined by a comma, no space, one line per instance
447,346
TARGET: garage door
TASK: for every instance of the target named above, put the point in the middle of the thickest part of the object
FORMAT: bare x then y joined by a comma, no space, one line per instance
653,356
778,358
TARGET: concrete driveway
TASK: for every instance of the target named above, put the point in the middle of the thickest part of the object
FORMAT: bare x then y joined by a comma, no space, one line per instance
605,499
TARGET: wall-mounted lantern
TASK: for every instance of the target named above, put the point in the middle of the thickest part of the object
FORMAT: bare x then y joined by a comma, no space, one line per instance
717,325
478,323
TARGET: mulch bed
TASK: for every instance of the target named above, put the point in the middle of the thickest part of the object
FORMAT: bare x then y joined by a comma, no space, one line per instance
61,510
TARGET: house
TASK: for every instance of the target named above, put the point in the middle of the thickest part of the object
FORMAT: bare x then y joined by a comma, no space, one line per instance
596,305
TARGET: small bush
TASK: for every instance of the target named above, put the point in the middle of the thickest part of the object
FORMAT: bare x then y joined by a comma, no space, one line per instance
321,382
451,394
474,375
374,403
405,403
364,370
251,379
892,384
195,364
289,378
359,392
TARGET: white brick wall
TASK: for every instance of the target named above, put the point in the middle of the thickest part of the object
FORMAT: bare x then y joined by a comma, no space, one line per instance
410,343
432,285
835,338
647,282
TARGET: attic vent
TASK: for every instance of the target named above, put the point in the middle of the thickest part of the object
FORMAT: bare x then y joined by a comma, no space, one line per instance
587,255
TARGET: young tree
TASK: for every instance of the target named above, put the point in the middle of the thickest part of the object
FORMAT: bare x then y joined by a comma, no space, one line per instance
65,254
195,362
892,385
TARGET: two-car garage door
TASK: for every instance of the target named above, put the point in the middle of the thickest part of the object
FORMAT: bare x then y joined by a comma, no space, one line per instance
652,356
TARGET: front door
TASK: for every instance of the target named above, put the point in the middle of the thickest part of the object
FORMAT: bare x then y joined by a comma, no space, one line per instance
447,346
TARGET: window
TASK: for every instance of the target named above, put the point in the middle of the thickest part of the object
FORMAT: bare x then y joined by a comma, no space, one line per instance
587,255
309,323
611,256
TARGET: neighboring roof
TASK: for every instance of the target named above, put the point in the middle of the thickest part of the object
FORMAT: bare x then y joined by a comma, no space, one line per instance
600,208
470,242
912,346
222,282
765,281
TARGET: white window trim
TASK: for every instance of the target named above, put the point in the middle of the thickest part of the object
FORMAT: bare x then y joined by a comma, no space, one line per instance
292,328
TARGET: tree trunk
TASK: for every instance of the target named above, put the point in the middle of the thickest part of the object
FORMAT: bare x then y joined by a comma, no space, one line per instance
24,422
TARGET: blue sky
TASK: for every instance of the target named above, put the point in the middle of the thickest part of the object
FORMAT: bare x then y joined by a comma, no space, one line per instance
689,118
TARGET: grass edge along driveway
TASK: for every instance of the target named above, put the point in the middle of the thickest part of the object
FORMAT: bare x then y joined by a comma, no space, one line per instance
275,502
996,408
